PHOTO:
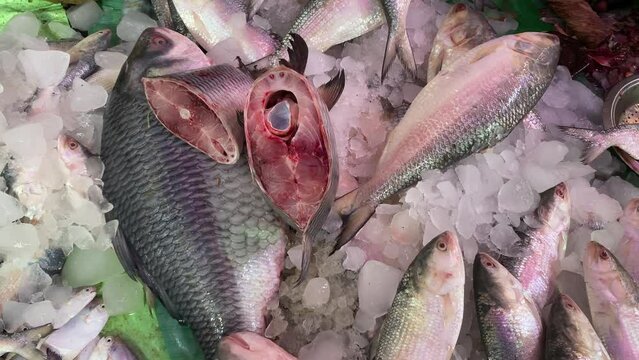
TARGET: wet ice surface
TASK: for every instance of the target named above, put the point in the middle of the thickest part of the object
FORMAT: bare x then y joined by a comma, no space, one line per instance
337,310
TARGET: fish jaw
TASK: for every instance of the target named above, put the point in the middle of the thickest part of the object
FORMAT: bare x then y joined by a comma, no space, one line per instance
250,346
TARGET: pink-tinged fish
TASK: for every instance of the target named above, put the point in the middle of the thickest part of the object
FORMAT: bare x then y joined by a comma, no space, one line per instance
614,302
625,137
290,143
69,340
629,246
250,346
201,107
73,306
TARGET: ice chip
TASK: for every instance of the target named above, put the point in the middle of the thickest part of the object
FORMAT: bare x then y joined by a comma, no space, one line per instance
318,63
19,240
364,322
26,141
79,236
405,229
83,17
327,345
86,97
376,287
122,295
34,284
295,255
469,177
466,217
503,237
517,196
410,91
63,31
51,124
110,59
548,153
39,314
25,23
90,267
316,293
10,209
58,295
44,68
13,315
132,25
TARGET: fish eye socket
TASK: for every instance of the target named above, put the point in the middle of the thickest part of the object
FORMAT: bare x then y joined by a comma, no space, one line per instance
560,191
158,40
570,306
603,254
73,145
490,264
87,290
442,246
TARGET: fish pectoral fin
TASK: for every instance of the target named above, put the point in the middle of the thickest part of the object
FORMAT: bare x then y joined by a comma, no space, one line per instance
332,90
133,266
297,54
353,215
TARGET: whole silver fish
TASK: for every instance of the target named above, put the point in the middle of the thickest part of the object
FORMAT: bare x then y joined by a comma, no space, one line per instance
463,29
213,21
624,137
541,248
426,316
23,344
397,42
614,302
569,335
464,110
629,245
198,233
509,322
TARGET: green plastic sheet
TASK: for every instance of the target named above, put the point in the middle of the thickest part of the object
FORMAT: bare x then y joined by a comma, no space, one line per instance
44,10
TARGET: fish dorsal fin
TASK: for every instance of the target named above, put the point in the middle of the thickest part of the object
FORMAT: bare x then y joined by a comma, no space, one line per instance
297,54
332,90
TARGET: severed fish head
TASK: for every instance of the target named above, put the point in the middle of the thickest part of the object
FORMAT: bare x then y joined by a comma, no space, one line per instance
250,346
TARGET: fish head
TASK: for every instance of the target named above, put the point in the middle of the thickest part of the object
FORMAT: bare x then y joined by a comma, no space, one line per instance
91,44
159,51
554,208
440,265
462,24
565,312
538,50
495,284
73,154
250,346
605,278
119,351
631,213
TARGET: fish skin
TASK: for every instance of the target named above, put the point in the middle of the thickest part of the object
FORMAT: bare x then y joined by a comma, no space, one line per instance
73,306
397,43
624,137
614,302
119,351
251,346
426,316
569,335
23,344
211,22
462,29
509,321
69,340
205,241
629,245
542,247
462,111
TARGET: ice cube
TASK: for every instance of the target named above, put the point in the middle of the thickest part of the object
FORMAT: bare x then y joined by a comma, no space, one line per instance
79,236
620,190
355,258
364,322
39,314
327,345
295,255
516,195
24,23
53,171
469,177
405,229
26,141
58,295
410,91
83,17
133,24
261,22
440,217
609,236
34,284
548,153
51,124
316,293
110,59
86,97
44,68
10,209
19,240
63,31
318,63
122,295
466,217
376,287
12,315
276,327
90,267
503,237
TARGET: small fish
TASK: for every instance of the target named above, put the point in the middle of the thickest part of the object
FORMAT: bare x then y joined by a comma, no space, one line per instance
119,351
23,344
614,302
466,109
213,21
201,107
250,346
325,23
463,29
426,316
509,321
629,245
73,154
102,349
85,354
541,248
291,146
69,340
397,43
73,306
84,51
569,335
624,137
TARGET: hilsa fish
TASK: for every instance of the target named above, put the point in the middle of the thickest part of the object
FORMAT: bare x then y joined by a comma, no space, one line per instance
629,245
291,146
200,107
624,137
541,248
426,316
614,302
197,233
397,43
251,346
569,335
509,321
466,109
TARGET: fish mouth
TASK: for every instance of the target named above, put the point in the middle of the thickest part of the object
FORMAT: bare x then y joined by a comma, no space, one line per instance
237,340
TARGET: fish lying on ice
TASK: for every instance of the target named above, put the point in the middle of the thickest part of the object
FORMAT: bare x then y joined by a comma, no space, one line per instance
541,248
198,233
397,43
624,136
614,302
291,146
426,316
69,340
73,306
24,343
478,102
629,245
251,346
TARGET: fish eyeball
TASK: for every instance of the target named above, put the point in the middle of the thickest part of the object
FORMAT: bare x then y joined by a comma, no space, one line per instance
281,113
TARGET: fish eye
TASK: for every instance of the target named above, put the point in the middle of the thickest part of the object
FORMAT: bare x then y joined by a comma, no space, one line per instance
570,306
87,290
490,264
442,246
103,306
73,145
158,40
109,340
603,254
560,191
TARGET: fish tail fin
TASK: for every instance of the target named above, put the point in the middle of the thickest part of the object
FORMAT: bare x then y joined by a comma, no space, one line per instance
398,45
353,215
307,251
595,142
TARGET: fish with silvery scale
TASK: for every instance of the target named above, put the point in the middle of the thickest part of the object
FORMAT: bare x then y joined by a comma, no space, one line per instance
197,233
291,146
213,21
624,137
23,344
509,321
426,316
629,244
69,340
397,44
200,106
251,346
542,247
569,335
614,302
470,107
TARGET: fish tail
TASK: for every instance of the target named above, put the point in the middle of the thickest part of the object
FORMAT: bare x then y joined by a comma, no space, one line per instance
595,142
398,45
353,215
435,60
307,251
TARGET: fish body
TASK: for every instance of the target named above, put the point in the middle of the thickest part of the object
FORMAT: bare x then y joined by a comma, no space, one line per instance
251,346
198,233
426,316
569,335
69,340
23,344
460,112
119,351
463,29
83,54
73,306
541,248
509,321
397,43
624,137
629,246
614,302
213,21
